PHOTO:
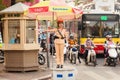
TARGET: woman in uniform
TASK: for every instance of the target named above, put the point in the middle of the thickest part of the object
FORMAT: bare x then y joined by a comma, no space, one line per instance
60,36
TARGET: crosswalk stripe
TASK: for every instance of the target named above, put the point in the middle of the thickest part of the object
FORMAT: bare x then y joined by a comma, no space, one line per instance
115,76
94,75
3,79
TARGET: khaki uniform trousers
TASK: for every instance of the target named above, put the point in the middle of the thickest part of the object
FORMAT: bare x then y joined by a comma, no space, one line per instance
59,47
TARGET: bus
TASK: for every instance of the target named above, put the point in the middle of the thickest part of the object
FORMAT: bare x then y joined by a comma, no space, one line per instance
98,26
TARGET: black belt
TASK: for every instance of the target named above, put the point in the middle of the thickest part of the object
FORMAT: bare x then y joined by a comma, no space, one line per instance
59,38
56,37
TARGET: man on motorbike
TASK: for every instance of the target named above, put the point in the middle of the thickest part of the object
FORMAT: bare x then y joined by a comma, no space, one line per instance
107,44
73,46
43,41
72,40
88,44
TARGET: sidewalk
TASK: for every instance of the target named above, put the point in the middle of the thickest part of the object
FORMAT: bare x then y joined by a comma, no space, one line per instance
29,75
43,72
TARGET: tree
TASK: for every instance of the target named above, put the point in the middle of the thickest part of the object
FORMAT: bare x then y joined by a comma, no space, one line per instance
2,6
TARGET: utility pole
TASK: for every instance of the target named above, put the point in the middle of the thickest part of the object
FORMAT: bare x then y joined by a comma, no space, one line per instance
13,2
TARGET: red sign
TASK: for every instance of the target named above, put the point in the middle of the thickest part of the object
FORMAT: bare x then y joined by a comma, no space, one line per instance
38,9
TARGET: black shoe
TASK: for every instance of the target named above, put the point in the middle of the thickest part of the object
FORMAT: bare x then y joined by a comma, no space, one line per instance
86,63
61,66
105,65
58,66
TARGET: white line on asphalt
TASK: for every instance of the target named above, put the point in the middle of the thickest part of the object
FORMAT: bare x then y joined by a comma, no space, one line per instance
3,78
114,75
94,75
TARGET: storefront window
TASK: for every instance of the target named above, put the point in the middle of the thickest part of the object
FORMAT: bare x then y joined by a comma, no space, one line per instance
30,31
14,31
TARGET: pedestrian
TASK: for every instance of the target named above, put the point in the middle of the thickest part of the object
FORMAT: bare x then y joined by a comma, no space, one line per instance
52,45
17,39
43,41
60,35
43,36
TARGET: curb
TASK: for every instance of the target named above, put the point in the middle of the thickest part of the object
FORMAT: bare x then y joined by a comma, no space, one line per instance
47,77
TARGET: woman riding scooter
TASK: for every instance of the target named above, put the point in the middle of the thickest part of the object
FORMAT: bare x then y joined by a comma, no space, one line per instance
89,45
110,51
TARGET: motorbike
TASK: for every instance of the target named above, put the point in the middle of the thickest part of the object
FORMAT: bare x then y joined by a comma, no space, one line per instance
91,58
73,53
113,55
41,58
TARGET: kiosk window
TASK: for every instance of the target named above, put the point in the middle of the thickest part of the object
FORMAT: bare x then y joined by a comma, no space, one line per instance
30,31
14,31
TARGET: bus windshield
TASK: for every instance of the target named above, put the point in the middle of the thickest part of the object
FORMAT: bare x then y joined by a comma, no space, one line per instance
100,29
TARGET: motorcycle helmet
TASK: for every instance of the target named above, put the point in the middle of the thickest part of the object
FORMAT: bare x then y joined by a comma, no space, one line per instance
88,36
108,36
71,36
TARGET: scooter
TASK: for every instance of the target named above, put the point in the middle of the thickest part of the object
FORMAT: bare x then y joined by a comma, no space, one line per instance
113,55
91,58
41,58
73,53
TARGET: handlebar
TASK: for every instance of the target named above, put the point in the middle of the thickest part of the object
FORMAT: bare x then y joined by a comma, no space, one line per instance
91,47
114,47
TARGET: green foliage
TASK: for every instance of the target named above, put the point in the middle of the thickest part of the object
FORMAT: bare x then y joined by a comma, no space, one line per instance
0,2
2,6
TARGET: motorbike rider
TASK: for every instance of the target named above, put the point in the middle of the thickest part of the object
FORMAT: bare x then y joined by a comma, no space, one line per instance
73,42
43,41
107,44
88,44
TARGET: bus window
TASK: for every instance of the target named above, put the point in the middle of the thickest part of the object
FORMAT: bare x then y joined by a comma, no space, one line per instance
100,29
